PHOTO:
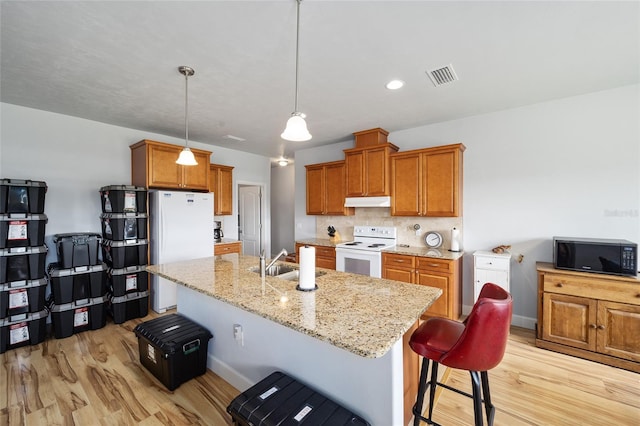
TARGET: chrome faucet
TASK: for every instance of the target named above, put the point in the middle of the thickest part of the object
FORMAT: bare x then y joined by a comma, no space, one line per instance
263,268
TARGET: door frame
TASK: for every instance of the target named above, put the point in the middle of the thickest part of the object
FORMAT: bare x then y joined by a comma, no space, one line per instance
265,240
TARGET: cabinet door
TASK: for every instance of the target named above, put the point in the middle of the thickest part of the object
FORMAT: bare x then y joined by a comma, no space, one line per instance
224,198
398,274
618,330
441,307
325,262
405,185
196,177
376,172
163,170
334,189
569,320
411,376
441,184
483,276
354,166
315,190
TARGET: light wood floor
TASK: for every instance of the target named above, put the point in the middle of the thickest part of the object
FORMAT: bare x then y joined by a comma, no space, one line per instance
95,378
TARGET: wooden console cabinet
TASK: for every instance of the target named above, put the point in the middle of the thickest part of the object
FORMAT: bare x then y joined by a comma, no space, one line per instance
592,316
153,165
444,274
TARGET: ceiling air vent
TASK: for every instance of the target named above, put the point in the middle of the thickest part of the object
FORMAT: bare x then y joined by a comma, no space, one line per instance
442,75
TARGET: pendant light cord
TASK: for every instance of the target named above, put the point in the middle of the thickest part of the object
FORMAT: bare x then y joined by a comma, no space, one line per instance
297,44
186,109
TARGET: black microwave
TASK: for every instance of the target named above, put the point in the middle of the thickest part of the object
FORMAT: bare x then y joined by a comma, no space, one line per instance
603,256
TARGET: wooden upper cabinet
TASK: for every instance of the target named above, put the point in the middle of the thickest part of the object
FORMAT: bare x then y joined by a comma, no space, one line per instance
427,182
367,170
221,184
153,165
326,189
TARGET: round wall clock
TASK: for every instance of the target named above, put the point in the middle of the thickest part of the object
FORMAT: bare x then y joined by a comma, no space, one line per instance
433,239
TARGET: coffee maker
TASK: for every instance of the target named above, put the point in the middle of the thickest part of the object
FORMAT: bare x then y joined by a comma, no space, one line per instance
217,231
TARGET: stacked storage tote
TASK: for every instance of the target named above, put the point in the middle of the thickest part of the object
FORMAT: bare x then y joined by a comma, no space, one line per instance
125,249
78,300
23,284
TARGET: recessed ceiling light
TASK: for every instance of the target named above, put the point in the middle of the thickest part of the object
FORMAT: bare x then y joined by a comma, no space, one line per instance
395,84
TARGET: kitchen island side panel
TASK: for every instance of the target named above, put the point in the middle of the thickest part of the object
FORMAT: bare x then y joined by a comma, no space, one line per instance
370,387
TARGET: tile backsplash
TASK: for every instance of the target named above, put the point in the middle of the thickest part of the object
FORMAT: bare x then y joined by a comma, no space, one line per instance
381,216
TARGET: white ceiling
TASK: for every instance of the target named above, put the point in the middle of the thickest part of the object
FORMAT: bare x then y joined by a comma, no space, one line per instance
116,62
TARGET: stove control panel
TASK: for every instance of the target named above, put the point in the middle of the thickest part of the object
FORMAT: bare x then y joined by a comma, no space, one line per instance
375,231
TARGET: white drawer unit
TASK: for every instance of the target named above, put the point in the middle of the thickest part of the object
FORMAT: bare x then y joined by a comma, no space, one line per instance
490,267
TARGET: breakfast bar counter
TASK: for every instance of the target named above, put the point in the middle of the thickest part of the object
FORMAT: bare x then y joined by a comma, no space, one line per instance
344,339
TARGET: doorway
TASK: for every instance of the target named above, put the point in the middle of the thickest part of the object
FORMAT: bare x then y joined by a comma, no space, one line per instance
250,218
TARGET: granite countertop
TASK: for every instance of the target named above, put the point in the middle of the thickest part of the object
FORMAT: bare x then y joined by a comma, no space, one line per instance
226,241
360,314
425,252
327,242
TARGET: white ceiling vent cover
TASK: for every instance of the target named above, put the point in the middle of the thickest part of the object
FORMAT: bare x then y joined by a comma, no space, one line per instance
442,75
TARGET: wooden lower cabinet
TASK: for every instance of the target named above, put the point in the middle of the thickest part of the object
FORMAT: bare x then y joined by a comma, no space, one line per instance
325,255
591,316
227,248
445,274
411,377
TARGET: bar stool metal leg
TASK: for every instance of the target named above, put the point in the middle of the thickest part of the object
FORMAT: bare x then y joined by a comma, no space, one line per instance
477,398
486,394
422,387
434,383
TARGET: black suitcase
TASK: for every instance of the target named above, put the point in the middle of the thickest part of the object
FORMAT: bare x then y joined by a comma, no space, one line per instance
173,348
281,400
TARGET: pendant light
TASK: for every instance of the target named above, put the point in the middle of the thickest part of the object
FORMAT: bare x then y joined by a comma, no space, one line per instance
186,157
296,129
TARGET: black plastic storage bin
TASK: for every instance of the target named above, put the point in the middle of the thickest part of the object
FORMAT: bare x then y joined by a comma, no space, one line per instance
173,348
129,306
72,318
28,329
123,199
72,284
22,230
133,279
281,399
122,254
77,249
22,297
22,263
124,226
22,196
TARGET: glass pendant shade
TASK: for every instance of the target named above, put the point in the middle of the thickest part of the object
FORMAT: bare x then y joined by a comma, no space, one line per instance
186,158
296,129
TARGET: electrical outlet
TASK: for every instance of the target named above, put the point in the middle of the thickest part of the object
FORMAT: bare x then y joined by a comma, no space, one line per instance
238,334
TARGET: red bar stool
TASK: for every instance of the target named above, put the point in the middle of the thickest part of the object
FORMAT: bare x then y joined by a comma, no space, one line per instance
476,345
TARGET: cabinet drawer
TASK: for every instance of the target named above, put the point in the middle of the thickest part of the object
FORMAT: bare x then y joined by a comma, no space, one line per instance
398,260
432,264
486,262
226,248
595,288
322,251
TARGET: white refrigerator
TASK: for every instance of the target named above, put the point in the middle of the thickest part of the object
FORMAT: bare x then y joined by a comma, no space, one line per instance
181,228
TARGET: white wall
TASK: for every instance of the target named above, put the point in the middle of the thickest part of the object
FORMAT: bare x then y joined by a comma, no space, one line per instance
567,167
75,157
282,209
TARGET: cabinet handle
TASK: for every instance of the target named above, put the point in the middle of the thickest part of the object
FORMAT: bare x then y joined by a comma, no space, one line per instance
559,285
592,326
601,327
435,265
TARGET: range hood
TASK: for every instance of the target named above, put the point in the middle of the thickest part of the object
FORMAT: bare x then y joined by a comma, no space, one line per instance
367,202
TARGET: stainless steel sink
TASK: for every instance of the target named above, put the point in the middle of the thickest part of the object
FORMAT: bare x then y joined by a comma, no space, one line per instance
284,272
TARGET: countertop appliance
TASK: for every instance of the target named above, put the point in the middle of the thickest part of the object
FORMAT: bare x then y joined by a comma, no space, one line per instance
604,256
218,235
363,255
181,228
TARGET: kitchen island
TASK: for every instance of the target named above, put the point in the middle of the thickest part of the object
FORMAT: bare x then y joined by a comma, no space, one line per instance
345,339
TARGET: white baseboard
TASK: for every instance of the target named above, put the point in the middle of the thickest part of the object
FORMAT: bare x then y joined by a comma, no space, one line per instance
230,375
516,320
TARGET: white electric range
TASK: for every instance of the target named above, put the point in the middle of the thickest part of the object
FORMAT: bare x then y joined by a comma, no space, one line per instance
363,255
